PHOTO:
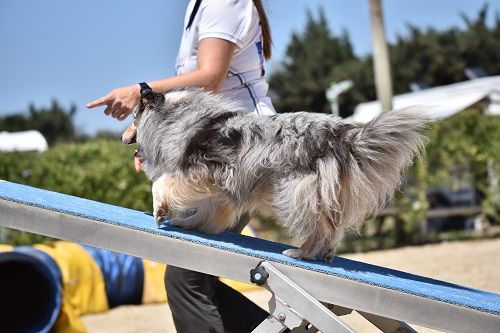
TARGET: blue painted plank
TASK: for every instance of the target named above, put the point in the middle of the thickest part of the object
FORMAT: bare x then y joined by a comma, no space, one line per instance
262,249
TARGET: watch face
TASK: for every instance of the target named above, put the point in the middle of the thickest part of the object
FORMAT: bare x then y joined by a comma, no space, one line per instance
144,88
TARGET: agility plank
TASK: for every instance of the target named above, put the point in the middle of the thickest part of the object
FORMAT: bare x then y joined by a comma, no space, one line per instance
354,285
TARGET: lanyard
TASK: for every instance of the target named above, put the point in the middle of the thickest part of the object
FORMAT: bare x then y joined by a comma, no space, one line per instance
193,14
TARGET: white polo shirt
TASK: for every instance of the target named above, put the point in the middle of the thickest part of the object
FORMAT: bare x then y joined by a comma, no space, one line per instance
236,21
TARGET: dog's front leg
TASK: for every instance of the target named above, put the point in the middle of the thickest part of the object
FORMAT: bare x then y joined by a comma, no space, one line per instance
160,201
211,217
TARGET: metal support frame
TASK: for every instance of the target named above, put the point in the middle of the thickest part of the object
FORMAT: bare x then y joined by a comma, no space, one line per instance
387,325
293,308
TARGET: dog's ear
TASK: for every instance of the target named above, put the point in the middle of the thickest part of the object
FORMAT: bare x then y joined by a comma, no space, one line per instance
151,99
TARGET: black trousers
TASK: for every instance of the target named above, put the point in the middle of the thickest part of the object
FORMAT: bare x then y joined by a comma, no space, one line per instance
201,303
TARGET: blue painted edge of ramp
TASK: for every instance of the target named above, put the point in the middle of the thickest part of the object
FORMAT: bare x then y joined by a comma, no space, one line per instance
258,248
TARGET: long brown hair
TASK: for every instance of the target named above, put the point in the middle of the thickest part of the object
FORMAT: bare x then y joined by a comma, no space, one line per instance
266,30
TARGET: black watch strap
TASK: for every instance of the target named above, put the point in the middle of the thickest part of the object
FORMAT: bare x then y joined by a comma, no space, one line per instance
145,88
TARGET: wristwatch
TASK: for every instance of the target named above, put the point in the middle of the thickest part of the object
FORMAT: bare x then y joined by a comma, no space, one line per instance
145,88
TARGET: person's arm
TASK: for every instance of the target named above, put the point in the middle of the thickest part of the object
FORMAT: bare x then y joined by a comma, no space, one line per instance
214,57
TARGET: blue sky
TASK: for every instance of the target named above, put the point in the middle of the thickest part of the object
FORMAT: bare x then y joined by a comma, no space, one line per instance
75,51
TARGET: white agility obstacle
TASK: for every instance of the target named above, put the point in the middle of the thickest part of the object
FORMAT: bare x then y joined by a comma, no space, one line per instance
306,296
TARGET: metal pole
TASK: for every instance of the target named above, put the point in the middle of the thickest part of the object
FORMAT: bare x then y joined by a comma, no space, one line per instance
383,82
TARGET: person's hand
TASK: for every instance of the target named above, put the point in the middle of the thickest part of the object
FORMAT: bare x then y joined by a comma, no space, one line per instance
120,102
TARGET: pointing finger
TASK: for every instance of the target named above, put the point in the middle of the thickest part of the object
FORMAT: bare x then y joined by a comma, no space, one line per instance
98,102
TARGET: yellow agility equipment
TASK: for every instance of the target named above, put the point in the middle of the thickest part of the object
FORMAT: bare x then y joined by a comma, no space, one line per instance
83,285
82,281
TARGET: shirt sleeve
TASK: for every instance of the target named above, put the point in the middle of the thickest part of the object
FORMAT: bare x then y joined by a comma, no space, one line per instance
225,19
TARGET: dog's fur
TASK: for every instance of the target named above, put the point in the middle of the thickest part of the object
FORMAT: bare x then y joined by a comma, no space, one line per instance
315,173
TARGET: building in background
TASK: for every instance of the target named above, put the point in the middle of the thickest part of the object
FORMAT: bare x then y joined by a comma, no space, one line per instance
22,141
443,101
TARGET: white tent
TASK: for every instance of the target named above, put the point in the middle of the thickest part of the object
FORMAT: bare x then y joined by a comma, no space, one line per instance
22,141
443,101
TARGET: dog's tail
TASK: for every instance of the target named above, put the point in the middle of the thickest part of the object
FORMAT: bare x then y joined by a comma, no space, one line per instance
380,152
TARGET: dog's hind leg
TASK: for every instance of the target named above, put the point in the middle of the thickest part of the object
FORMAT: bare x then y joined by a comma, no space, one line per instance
306,251
317,245
299,206
328,252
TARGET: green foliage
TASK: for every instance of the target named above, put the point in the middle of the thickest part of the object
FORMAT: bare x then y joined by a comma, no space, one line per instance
108,135
440,57
465,137
55,123
313,59
100,170
465,149
316,57
462,151
459,153
412,221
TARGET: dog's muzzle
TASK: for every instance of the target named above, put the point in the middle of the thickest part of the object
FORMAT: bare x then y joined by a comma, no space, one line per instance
128,141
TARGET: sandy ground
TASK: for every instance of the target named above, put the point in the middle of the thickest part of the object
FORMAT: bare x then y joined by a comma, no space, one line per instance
471,263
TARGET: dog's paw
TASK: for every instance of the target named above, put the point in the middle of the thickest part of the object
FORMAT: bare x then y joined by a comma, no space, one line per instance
180,222
328,255
298,254
161,215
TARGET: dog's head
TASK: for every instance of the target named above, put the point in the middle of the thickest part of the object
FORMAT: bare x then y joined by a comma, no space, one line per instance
148,102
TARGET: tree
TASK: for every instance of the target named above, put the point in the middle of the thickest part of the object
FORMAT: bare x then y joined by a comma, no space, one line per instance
55,123
441,57
315,58
312,59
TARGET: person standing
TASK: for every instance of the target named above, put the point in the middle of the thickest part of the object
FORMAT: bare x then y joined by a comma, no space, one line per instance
223,49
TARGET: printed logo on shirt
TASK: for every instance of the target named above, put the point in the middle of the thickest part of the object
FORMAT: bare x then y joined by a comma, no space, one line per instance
260,50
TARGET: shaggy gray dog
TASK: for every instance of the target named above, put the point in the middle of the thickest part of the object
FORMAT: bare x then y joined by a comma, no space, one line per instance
315,173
